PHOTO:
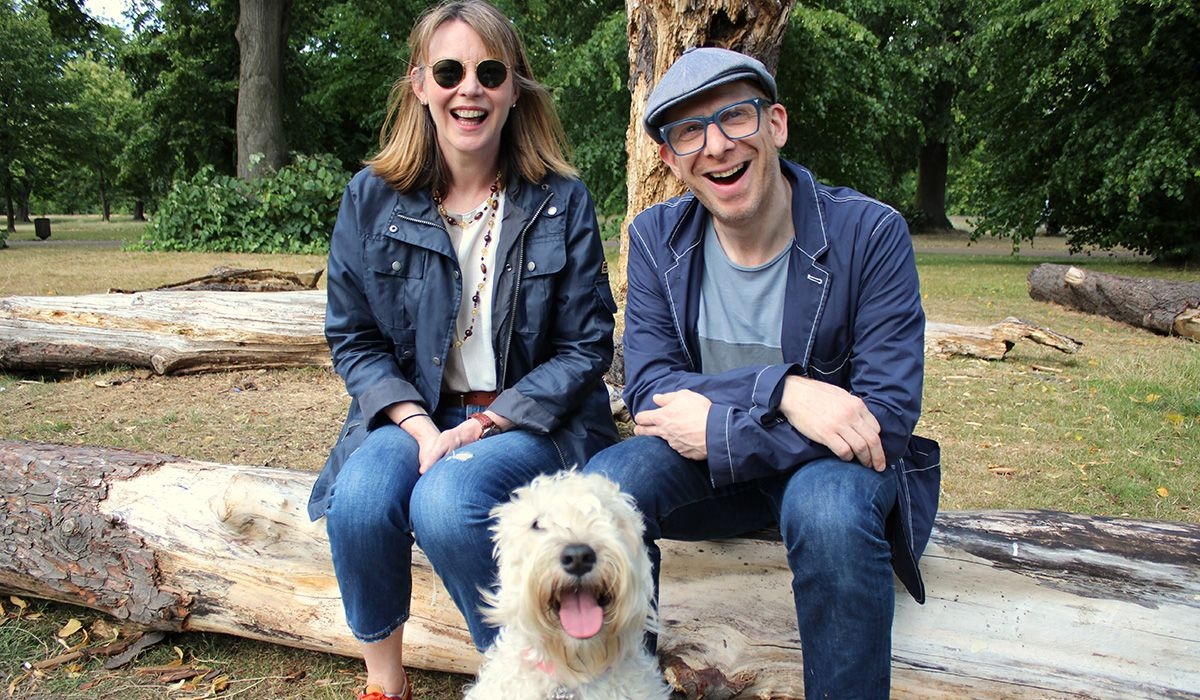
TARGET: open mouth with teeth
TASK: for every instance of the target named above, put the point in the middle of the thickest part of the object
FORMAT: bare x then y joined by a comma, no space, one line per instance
728,177
581,611
468,115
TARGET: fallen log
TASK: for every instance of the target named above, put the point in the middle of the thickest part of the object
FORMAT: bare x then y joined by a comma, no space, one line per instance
171,332
1020,604
236,279
178,332
992,342
1166,307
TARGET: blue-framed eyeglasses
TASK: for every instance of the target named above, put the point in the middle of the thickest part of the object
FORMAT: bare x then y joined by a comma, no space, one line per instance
737,121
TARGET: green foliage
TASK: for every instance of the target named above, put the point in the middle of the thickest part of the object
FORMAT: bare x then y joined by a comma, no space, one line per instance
1085,121
849,99
183,62
34,99
290,211
342,59
589,85
580,51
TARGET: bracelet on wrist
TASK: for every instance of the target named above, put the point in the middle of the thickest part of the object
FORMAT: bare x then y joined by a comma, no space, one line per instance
406,418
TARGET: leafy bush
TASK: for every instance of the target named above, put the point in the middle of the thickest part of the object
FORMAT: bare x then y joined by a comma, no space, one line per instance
290,211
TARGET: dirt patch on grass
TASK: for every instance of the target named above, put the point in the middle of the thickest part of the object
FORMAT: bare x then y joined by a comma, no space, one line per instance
281,418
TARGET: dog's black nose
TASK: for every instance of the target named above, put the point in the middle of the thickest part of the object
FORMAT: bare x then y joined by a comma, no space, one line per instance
578,559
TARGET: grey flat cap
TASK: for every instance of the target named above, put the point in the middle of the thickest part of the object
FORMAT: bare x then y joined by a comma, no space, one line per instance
697,70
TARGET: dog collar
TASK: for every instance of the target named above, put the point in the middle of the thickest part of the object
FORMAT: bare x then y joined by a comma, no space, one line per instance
562,692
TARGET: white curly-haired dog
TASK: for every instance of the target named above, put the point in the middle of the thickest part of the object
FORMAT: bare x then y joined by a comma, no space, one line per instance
575,596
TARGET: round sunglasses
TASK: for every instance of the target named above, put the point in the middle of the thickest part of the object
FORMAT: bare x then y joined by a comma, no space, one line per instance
449,72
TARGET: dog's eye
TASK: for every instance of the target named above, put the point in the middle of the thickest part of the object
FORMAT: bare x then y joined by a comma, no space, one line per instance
536,525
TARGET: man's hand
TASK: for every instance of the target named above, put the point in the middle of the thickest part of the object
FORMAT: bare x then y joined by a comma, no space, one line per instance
830,415
681,419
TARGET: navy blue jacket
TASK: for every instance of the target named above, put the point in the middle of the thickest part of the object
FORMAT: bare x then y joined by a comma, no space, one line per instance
394,289
852,317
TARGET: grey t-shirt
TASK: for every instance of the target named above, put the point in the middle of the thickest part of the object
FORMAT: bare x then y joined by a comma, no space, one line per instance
741,310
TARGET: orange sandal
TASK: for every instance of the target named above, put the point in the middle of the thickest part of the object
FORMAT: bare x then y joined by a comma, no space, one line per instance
374,692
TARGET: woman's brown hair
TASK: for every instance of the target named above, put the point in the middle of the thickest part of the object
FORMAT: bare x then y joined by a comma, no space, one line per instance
533,141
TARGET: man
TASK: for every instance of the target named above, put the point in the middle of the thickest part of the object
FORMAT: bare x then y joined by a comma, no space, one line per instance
774,345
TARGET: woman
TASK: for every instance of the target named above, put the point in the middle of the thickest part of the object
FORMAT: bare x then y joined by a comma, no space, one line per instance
471,319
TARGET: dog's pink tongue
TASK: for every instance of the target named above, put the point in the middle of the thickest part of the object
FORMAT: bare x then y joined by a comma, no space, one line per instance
580,614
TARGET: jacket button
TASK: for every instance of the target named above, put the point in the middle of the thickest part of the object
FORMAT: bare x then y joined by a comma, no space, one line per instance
437,361
552,211
456,274
531,266
396,265
393,228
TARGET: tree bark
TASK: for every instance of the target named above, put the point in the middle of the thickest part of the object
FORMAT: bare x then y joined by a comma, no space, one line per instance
262,38
1020,604
659,32
1164,306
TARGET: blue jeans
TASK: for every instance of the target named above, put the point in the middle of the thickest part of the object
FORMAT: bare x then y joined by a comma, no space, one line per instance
831,518
379,501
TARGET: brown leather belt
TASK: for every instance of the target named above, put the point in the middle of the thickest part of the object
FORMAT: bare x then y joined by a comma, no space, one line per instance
470,398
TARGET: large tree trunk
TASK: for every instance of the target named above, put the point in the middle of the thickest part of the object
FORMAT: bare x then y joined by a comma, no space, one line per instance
1020,604
1163,306
659,32
177,332
262,37
10,224
932,166
105,205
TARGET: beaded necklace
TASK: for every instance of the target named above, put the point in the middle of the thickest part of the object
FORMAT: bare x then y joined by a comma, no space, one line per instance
493,204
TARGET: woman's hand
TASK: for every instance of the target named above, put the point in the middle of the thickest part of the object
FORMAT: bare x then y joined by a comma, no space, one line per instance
447,441
466,432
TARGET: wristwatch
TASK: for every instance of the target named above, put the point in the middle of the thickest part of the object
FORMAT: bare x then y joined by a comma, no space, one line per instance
489,426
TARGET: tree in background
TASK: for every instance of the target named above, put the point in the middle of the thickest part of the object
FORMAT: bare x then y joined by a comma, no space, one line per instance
33,101
870,90
99,126
580,51
342,60
1086,117
848,100
1068,114
183,62
262,37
